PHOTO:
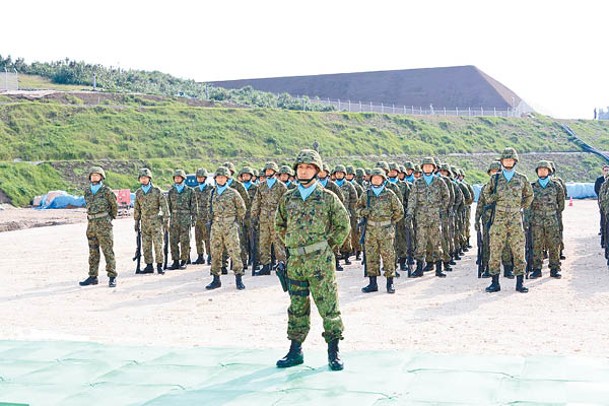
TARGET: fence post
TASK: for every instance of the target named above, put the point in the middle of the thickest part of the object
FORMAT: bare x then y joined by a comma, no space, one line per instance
360,106
495,111
481,111
382,108
470,111
457,109
420,110
393,108
444,110
404,109
412,110
338,104
349,101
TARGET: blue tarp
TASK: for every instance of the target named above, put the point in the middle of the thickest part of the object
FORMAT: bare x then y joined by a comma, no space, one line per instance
61,202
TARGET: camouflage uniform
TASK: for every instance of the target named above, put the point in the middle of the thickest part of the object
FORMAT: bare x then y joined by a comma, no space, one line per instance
311,229
202,195
401,246
251,228
468,201
562,183
547,202
510,198
481,218
151,211
238,186
263,210
446,218
102,208
286,170
349,201
425,204
183,209
359,190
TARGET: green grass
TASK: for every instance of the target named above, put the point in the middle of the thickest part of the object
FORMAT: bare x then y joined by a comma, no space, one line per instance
39,82
167,133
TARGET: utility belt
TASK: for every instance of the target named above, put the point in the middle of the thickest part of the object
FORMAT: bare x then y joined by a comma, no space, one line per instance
97,216
508,209
545,212
309,249
379,223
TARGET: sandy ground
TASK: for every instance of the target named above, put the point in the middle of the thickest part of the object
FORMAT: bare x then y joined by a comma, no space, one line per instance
40,269
12,218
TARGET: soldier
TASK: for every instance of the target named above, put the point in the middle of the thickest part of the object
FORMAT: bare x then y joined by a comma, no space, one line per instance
202,194
246,174
382,210
183,209
548,201
238,186
481,220
349,201
226,214
409,167
448,217
360,173
284,176
264,206
417,173
468,201
312,222
355,235
562,183
401,245
510,192
429,196
324,179
151,215
102,208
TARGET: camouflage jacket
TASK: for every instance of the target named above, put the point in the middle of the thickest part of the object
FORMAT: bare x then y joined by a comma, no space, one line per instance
386,206
266,201
150,205
459,198
451,193
562,183
182,204
349,196
229,204
104,201
333,187
358,188
481,212
322,217
509,196
548,200
238,186
428,200
468,199
202,199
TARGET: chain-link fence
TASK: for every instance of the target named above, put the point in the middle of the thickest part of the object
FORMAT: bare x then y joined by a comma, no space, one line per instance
9,80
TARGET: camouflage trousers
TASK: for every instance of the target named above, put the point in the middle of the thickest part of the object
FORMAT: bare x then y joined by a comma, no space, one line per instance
202,240
429,234
347,248
507,232
314,275
399,244
546,235
225,237
268,237
447,240
100,235
379,243
355,234
152,236
179,237
466,223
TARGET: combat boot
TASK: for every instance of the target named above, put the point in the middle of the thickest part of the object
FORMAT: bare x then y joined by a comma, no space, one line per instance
410,260
447,267
200,260
209,259
555,273
419,271
358,255
485,274
91,280
372,285
239,282
334,360
224,270
293,357
159,269
390,287
346,258
535,274
339,267
183,264
456,257
452,259
428,266
508,271
148,269
175,265
519,286
215,283
112,282
402,262
494,286
439,272
266,270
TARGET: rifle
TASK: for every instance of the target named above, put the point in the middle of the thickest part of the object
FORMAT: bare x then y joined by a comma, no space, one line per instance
165,248
138,252
282,274
480,254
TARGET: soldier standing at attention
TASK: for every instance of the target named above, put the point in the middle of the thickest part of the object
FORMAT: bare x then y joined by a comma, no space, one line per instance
312,222
246,175
183,209
151,215
482,217
429,196
350,199
511,192
548,202
101,210
238,186
202,194
264,206
383,210
226,213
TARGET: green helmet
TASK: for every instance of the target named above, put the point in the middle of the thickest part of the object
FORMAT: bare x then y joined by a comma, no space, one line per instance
325,168
145,172
286,169
223,171
417,168
378,172
509,153
402,169
368,171
230,166
256,172
246,169
408,165
428,161
383,165
97,169
271,165
309,156
461,172
544,164
202,173
493,166
180,172
445,167
350,170
340,168
360,172
454,170
394,166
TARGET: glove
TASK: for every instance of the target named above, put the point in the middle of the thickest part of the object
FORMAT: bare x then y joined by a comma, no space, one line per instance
477,226
136,227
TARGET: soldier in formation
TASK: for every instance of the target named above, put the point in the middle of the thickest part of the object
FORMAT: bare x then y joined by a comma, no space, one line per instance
183,209
202,195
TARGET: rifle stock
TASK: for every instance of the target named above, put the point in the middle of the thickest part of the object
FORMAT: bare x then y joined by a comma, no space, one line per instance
138,252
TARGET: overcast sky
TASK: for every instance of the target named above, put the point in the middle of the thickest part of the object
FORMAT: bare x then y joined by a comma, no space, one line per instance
552,54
